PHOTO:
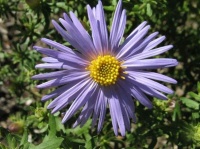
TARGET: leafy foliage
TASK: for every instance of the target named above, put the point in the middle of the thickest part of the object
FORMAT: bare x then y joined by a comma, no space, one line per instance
26,124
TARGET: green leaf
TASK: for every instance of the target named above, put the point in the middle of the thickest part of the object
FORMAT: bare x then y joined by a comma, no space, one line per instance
2,146
80,130
52,125
24,138
149,10
195,115
190,103
59,125
62,5
88,143
198,87
195,96
177,112
49,143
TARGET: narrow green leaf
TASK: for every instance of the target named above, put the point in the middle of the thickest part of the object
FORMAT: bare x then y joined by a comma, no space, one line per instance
198,87
195,96
190,103
149,10
177,112
24,139
52,125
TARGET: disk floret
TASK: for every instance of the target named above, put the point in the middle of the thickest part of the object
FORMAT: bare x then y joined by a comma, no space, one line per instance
105,70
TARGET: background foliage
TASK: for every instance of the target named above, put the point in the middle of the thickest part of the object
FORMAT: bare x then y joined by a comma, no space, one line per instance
26,124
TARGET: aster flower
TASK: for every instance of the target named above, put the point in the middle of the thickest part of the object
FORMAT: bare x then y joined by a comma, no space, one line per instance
102,72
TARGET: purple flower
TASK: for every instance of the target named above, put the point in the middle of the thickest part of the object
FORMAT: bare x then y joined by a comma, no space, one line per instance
102,72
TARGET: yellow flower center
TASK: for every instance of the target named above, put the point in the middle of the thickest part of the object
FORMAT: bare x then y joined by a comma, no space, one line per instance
105,70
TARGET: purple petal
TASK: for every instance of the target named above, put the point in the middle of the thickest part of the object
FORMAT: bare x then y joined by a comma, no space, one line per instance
57,45
94,24
82,39
70,39
137,94
152,84
152,75
115,24
52,66
61,56
120,33
138,48
86,111
103,27
59,91
64,80
49,60
113,117
125,94
82,30
136,30
51,75
127,45
102,114
117,113
148,54
148,90
151,63
100,97
69,94
154,43
79,101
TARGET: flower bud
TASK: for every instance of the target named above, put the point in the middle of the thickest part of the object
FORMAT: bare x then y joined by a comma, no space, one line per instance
16,127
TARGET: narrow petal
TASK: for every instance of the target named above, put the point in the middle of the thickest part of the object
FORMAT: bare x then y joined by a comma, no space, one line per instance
102,114
136,30
100,97
59,90
141,97
94,24
63,80
69,94
147,90
151,63
115,24
154,43
86,111
148,54
69,38
113,117
103,27
120,33
117,113
79,101
60,65
126,118
127,45
85,42
52,66
152,92
152,75
136,93
125,94
49,60
61,56
57,45
82,30
51,75
140,47
152,84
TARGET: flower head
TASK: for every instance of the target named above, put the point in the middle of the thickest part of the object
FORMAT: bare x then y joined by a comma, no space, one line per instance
103,72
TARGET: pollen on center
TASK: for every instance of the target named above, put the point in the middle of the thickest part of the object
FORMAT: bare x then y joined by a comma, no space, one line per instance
105,70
